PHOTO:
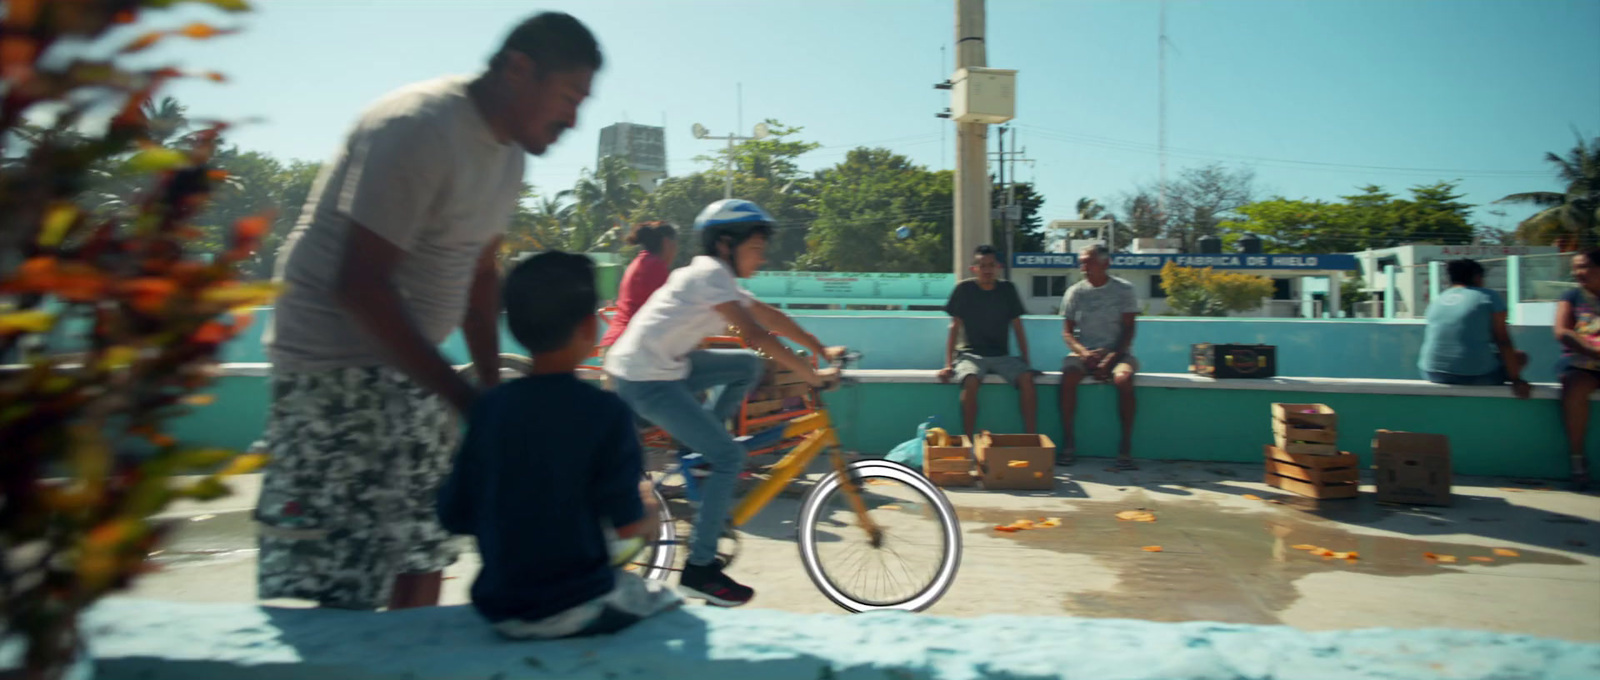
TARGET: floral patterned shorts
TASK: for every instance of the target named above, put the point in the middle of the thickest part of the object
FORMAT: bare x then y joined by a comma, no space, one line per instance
347,501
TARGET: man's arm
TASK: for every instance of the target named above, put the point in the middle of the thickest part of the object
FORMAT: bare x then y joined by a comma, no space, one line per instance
763,340
950,350
616,474
1069,335
367,292
1508,354
1022,340
482,325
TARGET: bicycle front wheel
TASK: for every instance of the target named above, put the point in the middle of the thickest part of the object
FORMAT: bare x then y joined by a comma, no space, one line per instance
912,561
656,560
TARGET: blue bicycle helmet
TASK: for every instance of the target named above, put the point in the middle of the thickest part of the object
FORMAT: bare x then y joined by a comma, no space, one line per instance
733,217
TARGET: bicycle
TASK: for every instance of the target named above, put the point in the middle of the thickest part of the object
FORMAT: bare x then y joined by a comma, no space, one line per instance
896,510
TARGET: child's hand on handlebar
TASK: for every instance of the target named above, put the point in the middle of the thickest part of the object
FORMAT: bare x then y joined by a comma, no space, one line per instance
824,378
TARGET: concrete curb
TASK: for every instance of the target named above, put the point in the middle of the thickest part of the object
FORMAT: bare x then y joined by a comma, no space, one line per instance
148,639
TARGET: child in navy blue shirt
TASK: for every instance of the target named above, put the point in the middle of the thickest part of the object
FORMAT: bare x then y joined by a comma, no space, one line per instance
548,463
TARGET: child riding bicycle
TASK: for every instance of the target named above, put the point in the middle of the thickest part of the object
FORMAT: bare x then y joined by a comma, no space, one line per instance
657,369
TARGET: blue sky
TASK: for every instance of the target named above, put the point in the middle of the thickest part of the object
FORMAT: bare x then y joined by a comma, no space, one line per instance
1317,96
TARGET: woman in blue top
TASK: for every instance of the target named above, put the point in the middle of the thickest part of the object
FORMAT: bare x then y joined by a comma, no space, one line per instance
1467,342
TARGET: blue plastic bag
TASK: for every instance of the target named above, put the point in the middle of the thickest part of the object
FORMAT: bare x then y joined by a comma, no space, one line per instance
909,453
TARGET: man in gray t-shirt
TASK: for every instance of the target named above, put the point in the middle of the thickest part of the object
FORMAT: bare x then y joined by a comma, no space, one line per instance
1098,316
395,250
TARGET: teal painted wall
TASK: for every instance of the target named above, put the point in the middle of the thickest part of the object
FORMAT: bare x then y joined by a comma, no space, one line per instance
1307,348
1489,436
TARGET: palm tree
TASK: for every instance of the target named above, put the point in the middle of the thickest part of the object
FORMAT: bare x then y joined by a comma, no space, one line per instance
1572,217
603,200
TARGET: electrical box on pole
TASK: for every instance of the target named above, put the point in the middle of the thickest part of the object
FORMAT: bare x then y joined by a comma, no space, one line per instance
983,95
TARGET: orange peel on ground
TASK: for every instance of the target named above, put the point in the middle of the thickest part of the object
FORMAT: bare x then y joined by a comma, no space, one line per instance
1136,516
1251,497
1152,548
1305,546
1507,552
1480,558
1447,559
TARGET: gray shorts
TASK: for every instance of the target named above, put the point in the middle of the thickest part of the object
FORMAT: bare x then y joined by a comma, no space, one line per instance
347,501
1126,364
1008,367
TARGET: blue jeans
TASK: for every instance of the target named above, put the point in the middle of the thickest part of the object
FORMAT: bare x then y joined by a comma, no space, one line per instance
671,405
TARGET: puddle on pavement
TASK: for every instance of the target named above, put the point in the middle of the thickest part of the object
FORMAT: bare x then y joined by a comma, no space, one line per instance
1223,563
205,539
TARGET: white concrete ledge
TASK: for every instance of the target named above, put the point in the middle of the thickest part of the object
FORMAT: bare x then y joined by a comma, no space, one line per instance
145,640
1415,388
1420,388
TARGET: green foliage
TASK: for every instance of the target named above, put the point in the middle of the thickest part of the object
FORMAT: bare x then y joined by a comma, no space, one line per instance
1029,234
1370,219
862,201
1572,217
1206,292
100,230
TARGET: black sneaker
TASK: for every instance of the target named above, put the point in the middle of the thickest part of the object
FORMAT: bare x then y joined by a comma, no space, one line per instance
710,584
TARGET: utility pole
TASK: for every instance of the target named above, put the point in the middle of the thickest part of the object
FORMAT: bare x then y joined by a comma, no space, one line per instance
1161,107
1005,207
972,172
1009,211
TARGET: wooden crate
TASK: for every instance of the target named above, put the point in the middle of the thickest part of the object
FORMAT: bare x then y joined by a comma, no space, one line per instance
1306,414
757,408
1305,448
1286,431
1324,477
780,392
949,465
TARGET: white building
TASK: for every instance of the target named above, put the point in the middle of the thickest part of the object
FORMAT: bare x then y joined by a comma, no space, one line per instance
1411,278
1302,281
644,147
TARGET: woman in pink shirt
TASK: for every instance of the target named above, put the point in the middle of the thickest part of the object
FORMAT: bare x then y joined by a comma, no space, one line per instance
658,242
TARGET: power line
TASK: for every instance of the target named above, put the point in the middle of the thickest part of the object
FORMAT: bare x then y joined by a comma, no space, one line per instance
1125,145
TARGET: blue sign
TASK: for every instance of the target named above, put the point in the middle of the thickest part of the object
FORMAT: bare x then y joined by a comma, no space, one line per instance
1323,262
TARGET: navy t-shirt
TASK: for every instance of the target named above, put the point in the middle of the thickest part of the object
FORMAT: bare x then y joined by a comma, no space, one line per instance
545,461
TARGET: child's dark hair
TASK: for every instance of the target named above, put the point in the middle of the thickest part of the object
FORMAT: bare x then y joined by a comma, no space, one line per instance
651,236
1593,256
555,41
982,250
546,296
1463,272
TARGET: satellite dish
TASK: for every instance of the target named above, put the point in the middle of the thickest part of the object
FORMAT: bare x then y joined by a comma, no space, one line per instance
700,131
761,131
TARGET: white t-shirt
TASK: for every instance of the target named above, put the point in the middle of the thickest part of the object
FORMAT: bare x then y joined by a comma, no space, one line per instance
422,169
673,322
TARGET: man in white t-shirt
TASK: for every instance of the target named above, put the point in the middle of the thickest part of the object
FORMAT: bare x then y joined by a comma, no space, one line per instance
657,368
395,250
1098,320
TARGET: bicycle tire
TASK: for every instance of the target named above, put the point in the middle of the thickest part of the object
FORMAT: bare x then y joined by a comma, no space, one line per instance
515,362
658,562
863,470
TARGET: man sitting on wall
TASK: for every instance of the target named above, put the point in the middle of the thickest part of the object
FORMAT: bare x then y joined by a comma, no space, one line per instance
1098,316
1467,342
984,311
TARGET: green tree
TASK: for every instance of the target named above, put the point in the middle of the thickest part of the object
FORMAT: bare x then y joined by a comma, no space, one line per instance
1029,233
863,201
602,201
766,172
1372,218
1571,216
